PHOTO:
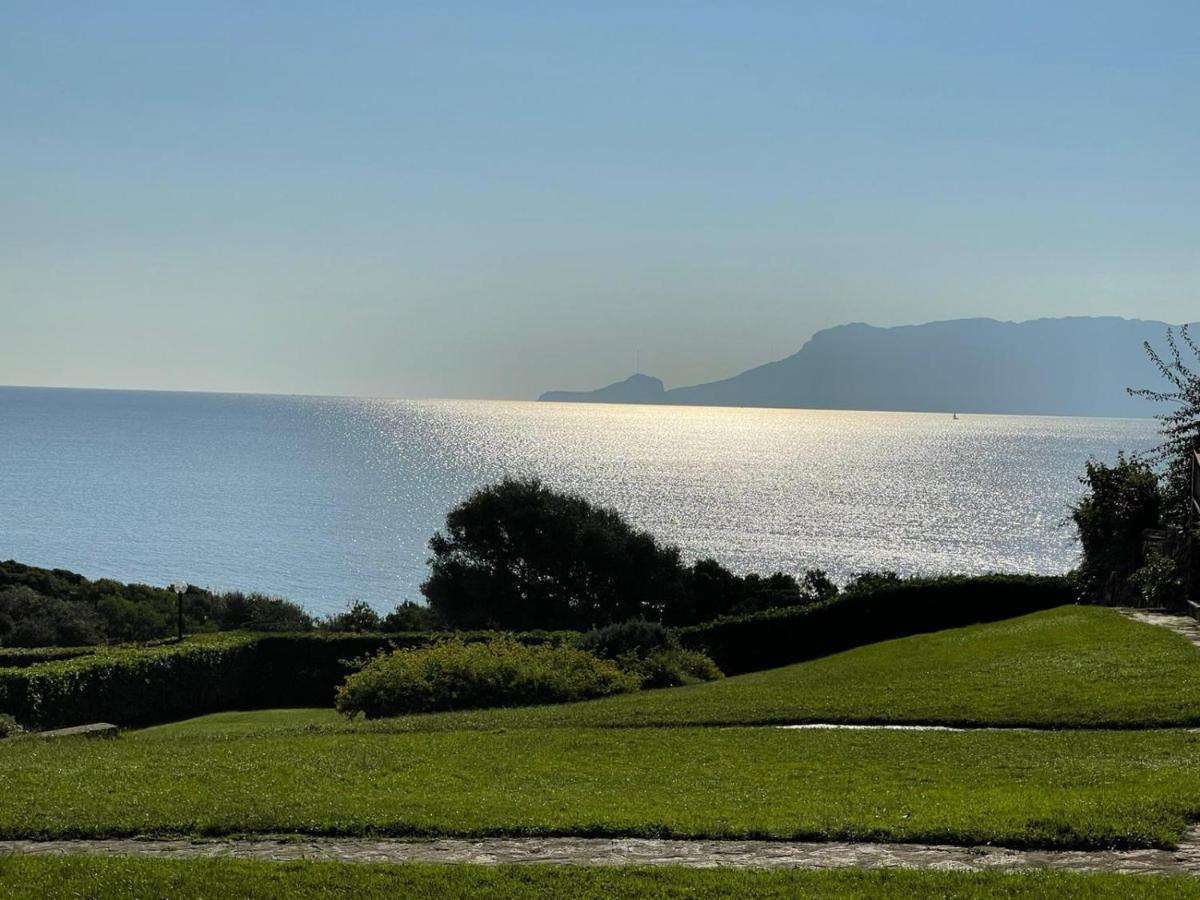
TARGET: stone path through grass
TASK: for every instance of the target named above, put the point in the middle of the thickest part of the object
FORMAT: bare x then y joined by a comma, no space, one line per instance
1185,860
782,854
1177,622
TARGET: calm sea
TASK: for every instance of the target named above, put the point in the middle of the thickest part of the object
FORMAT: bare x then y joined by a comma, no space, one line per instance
325,500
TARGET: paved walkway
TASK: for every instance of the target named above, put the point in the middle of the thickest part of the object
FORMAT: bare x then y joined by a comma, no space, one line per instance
640,851
1177,622
842,726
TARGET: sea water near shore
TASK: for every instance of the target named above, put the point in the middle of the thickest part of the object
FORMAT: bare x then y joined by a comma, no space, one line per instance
325,500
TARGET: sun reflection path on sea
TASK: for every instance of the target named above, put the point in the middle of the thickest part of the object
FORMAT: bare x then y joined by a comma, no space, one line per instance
330,499
765,489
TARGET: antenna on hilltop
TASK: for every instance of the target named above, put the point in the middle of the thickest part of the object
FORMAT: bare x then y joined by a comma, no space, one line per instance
637,362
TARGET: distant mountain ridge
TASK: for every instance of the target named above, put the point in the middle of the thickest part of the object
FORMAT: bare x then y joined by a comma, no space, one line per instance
1077,366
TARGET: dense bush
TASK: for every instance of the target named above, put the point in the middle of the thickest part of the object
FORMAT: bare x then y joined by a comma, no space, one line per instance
454,674
876,609
409,616
27,619
361,617
635,636
1123,500
650,651
45,607
711,590
8,726
358,616
1158,583
234,611
669,667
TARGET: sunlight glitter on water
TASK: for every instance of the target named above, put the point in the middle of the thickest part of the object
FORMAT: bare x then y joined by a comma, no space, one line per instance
327,499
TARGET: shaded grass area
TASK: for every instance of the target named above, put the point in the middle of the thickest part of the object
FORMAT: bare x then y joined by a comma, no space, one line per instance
80,876
1053,789
1070,667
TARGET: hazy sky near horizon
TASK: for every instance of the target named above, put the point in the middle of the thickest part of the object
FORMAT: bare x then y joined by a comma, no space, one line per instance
491,199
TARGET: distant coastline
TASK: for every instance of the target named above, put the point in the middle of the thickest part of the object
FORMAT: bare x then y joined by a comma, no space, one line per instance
1078,366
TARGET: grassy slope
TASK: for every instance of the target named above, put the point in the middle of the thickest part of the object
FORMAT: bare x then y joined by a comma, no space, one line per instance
1073,788
71,877
1083,667
493,772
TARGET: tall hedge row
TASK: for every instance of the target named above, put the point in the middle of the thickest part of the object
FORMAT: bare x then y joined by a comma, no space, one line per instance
131,686
777,637
18,657
143,685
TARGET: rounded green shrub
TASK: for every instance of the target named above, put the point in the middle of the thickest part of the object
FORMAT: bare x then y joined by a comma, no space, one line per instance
650,651
634,636
670,667
8,726
457,675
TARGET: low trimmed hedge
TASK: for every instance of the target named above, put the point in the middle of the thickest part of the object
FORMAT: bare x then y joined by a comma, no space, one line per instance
206,673
777,637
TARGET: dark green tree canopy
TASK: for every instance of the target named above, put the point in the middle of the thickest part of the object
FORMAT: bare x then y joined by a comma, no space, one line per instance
519,555
1123,500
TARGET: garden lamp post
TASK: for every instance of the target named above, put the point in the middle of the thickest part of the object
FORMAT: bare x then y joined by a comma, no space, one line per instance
180,588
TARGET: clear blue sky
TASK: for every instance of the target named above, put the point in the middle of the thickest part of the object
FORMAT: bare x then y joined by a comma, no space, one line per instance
487,200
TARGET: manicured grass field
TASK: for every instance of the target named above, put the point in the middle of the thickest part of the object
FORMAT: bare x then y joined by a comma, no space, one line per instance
1066,789
567,770
35,878
1075,666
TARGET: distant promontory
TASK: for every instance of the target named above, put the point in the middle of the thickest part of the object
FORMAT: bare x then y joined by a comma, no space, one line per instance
1073,366
634,389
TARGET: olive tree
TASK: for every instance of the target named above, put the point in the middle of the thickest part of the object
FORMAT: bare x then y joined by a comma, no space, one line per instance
519,555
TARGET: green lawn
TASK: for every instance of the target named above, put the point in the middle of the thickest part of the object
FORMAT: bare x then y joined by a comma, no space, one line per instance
498,772
1069,788
35,878
1075,666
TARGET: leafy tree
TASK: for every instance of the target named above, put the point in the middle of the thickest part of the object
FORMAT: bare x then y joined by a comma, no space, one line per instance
27,619
818,586
711,590
781,590
863,582
1123,500
409,616
1179,425
258,612
107,611
357,616
520,555
635,636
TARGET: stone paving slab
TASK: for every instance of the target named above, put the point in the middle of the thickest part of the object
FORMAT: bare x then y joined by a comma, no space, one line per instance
94,730
842,726
642,851
1177,622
